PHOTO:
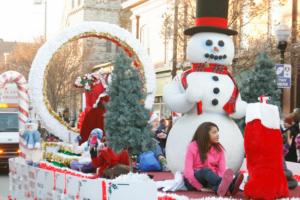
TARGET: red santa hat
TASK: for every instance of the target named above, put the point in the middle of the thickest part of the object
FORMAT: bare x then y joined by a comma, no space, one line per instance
153,117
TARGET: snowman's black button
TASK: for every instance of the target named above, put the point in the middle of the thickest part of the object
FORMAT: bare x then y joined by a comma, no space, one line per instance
215,78
216,90
215,102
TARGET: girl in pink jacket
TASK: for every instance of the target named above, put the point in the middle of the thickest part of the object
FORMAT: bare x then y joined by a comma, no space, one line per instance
205,164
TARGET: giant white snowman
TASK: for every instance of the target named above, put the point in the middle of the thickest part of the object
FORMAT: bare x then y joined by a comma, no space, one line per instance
207,92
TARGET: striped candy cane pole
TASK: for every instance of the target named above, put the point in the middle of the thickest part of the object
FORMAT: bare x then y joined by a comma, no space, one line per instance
20,81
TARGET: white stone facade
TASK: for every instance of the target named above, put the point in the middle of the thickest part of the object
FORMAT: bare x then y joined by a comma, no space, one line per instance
147,24
147,19
77,11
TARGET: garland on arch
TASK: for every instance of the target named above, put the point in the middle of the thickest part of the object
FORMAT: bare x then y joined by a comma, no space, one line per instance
101,30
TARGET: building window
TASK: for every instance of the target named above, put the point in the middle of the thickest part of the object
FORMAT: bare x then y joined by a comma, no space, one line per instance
158,99
144,38
108,46
79,2
73,3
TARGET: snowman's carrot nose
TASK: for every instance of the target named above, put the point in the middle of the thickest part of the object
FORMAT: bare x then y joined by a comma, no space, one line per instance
216,49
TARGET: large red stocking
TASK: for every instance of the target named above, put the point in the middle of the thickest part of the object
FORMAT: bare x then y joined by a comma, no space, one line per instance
264,154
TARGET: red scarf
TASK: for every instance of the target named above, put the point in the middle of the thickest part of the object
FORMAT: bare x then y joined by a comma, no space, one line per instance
229,107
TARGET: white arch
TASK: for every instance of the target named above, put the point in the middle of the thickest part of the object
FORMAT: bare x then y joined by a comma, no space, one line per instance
46,52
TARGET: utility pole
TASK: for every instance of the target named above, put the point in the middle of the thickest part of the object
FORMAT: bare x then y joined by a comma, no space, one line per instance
175,39
270,6
185,19
234,23
40,2
293,53
45,30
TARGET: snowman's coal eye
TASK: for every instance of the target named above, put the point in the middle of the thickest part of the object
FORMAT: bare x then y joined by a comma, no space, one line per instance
209,42
221,43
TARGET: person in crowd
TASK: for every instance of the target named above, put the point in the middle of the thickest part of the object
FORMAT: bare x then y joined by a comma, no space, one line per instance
291,125
66,115
158,151
291,137
161,135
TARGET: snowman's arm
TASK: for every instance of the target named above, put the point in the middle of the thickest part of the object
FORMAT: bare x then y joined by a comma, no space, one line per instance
176,99
240,109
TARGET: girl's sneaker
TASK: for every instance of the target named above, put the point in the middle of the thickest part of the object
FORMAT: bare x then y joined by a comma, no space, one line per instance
235,185
225,183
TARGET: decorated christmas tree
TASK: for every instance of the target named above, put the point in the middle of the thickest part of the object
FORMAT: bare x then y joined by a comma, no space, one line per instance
126,119
261,80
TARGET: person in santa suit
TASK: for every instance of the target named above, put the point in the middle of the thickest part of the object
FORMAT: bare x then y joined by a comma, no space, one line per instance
94,111
80,119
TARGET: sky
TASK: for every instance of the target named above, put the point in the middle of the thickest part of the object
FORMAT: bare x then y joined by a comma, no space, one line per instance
22,20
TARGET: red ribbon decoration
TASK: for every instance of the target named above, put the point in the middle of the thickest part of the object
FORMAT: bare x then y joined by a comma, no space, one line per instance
212,21
54,181
65,185
104,195
46,166
263,99
78,192
166,197
297,177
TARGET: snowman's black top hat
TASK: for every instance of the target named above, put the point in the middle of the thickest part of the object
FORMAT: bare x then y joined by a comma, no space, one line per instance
211,16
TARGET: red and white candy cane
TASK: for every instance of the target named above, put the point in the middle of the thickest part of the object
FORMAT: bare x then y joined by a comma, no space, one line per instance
20,81
264,99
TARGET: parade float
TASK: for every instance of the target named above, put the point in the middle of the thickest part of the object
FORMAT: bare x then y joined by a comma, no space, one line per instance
44,172
45,175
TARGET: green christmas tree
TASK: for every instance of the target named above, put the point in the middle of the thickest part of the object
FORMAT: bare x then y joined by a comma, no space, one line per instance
261,80
126,119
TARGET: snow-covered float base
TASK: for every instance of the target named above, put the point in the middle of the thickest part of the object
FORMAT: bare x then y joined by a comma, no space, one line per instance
53,183
27,182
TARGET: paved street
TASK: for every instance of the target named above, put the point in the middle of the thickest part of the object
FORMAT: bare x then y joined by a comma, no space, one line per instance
3,184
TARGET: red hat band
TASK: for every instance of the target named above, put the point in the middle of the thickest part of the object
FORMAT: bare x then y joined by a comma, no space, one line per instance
212,21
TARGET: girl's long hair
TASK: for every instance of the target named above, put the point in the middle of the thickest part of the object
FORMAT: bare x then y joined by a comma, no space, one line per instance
202,139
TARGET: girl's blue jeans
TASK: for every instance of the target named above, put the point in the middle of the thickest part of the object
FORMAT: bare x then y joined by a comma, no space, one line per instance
207,178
